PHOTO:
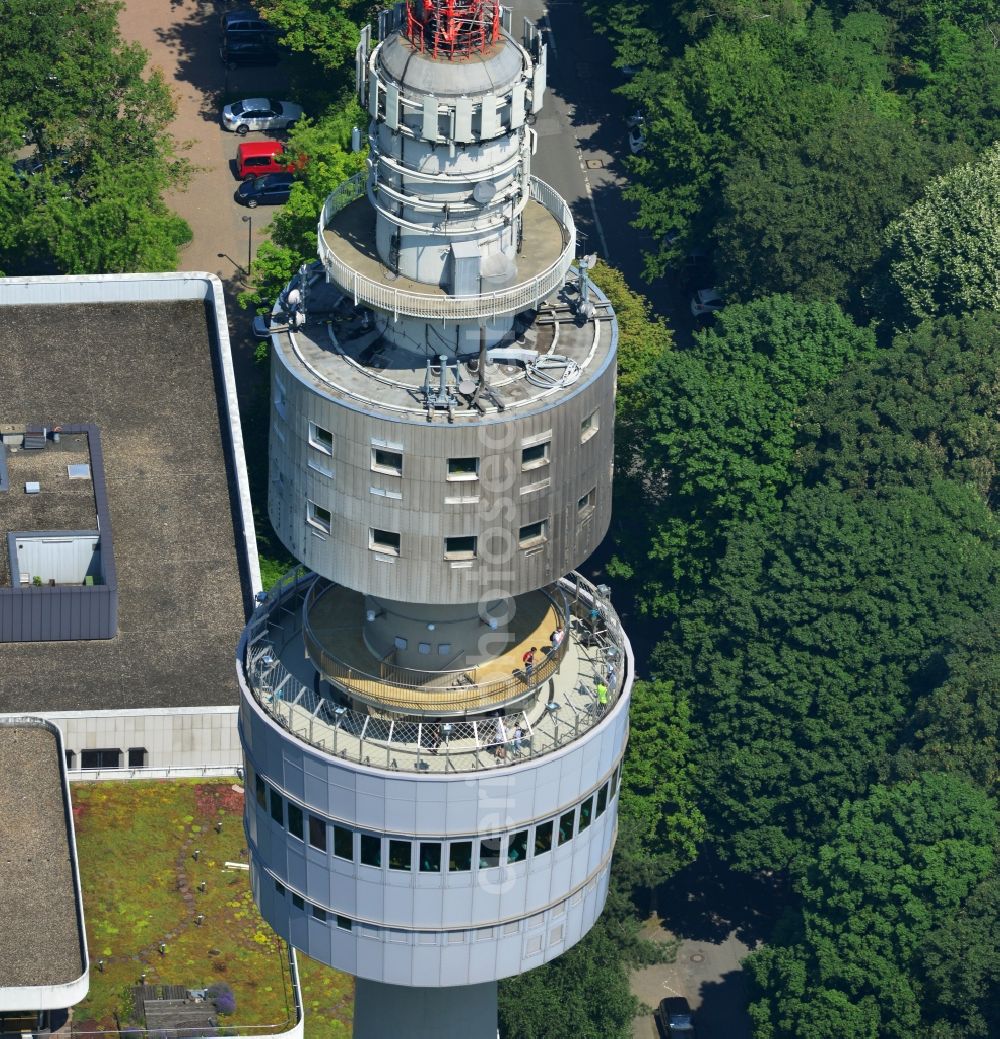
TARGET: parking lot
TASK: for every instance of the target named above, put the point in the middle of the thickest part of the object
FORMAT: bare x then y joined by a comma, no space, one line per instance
183,38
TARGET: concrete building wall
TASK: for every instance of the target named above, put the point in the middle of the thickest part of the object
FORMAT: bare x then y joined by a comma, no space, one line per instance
417,927
424,507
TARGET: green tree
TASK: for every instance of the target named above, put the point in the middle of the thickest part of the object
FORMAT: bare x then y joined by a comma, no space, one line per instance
98,157
899,862
716,429
802,659
583,994
660,825
943,253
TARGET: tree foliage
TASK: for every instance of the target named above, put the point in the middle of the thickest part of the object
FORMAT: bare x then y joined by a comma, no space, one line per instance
943,253
90,128
900,861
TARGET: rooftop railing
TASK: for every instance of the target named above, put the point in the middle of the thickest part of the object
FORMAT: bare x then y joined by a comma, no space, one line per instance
397,741
433,304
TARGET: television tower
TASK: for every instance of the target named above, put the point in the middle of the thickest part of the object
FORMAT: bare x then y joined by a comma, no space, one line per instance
434,705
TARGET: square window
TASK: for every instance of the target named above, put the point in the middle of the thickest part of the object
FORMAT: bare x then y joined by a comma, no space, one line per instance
566,826
586,810
320,438
343,843
460,547
430,857
424,647
137,757
298,901
532,534
279,888
590,425
463,468
317,833
489,853
261,787
585,505
399,642
517,847
543,838
344,923
535,456
602,800
110,757
400,853
277,809
460,856
295,821
318,913
387,541
318,517
371,851
384,461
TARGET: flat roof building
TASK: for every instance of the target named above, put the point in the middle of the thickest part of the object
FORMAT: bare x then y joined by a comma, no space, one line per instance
43,944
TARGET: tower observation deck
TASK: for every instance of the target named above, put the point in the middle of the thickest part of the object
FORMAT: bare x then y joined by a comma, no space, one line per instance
434,705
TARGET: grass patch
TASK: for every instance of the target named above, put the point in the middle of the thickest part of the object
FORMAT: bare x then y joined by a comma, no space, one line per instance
142,887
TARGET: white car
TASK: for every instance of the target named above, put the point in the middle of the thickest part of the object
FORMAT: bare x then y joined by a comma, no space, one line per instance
260,113
706,302
637,139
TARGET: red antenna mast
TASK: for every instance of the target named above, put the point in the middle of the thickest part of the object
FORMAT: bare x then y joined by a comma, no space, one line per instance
453,28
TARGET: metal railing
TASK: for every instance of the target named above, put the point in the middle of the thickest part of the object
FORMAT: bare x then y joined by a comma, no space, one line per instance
400,742
398,688
385,297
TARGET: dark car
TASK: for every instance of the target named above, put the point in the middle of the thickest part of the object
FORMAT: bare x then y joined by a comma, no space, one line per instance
675,1018
245,19
247,48
270,190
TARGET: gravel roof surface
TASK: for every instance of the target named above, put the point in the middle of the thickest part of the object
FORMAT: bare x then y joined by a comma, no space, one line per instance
39,930
143,374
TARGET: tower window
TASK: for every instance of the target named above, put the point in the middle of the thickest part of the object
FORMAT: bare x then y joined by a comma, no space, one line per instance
298,901
371,851
460,547
384,461
344,923
318,913
277,809
489,853
566,826
543,838
343,843
320,438
532,534
536,455
602,799
400,853
317,833
387,541
586,810
295,820
517,847
318,517
585,505
460,857
590,425
463,468
430,857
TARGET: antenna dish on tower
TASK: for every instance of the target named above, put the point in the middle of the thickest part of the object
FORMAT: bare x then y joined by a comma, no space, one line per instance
588,261
484,192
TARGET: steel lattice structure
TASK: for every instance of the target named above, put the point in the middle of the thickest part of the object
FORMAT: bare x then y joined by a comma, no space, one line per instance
453,28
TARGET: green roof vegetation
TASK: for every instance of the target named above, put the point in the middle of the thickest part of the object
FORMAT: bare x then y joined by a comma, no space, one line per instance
145,850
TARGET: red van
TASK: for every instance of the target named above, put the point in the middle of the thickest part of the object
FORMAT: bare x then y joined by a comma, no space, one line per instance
255,158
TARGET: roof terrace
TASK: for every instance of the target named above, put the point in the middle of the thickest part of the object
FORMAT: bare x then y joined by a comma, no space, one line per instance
455,725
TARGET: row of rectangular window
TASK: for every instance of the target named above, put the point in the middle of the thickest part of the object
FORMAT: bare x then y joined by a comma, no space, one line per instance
461,546
345,923
539,838
390,462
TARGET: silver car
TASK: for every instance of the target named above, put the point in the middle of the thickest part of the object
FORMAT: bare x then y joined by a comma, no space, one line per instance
260,113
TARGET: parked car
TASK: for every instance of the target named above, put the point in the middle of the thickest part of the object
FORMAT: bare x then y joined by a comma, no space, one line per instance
247,48
637,139
706,302
675,1018
271,190
257,158
245,19
260,113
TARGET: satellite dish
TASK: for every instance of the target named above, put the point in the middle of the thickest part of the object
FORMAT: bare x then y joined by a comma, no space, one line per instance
484,192
588,261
